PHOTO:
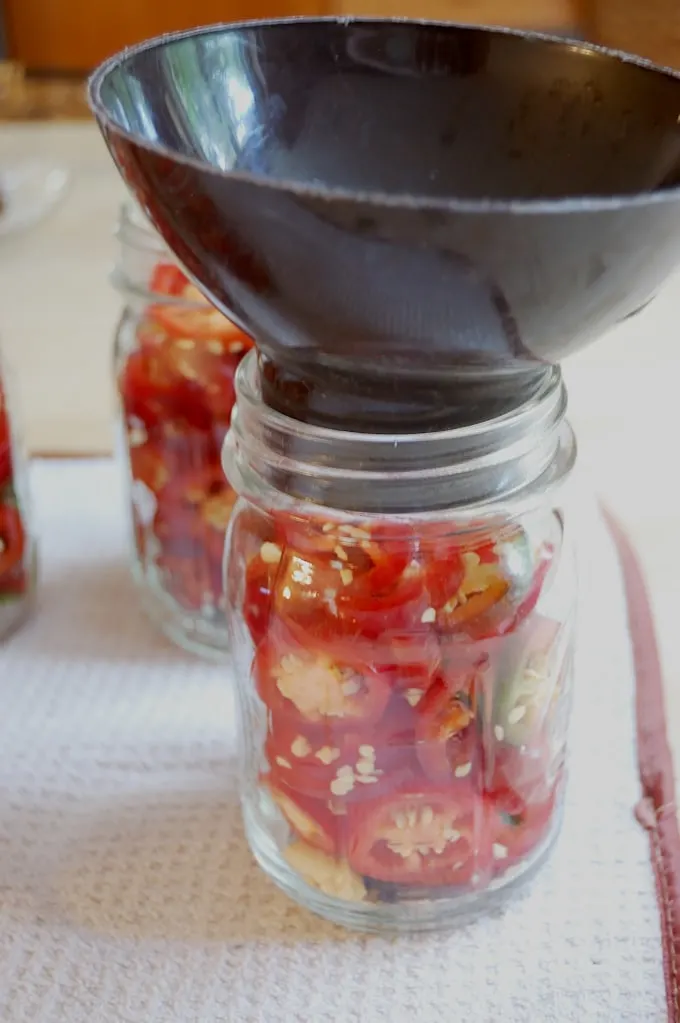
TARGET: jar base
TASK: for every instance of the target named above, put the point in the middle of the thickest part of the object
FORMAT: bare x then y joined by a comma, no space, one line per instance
409,916
193,631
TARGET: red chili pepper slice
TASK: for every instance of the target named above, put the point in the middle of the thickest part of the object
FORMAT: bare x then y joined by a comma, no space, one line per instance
5,448
320,686
524,776
471,585
429,836
171,451
528,604
310,819
193,315
447,743
515,835
257,552
190,579
12,538
151,393
336,768
330,592
193,514
208,367
257,598
306,592
147,464
167,279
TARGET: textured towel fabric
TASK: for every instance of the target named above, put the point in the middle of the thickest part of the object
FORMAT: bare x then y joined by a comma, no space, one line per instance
127,893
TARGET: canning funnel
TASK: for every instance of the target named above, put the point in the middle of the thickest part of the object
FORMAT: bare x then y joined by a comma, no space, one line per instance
413,220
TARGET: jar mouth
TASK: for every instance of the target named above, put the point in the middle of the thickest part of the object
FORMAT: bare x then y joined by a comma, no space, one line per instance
548,399
514,456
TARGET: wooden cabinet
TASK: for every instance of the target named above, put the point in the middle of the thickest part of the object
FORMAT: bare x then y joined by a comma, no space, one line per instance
75,35
545,15
650,29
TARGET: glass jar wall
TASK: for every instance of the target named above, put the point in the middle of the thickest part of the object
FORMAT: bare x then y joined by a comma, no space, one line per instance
175,360
17,546
401,612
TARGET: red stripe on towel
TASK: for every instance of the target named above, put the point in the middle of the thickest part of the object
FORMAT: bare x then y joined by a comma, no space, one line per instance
656,810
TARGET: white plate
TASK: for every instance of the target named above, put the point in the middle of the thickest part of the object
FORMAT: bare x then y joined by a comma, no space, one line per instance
30,191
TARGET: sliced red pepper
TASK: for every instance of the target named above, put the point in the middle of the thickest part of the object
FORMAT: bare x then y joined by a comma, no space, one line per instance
444,569
257,597
329,594
5,448
208,366
428,836
167,279
447,743
390,550
528,604
170,378
12,538
336,768
480,602
190,579
257,552
193,514
151,393
515,836
411,660
375,553
522,777
321,686
254,538
310,819
306,593
5,463
147,464
402,609
194,316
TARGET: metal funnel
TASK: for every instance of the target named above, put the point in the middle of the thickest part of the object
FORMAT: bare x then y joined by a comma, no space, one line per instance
411,219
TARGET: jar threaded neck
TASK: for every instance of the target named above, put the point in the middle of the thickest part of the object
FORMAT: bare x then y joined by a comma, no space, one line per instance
515,456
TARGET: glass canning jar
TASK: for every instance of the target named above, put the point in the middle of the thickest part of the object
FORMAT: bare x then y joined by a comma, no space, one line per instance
401,612
17,545
175,360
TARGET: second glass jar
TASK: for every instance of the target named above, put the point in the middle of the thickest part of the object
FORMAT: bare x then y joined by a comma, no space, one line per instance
175,360
402,626
17,544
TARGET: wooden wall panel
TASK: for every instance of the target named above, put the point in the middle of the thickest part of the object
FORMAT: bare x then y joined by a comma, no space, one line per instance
650,28
548,15
75,35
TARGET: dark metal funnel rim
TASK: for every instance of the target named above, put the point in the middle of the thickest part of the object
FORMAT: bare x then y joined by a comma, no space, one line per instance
321,193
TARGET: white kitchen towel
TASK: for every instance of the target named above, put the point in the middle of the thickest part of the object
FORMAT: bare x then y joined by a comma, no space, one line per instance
127,892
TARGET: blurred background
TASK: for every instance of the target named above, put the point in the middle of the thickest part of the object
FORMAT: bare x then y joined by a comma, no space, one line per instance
61,40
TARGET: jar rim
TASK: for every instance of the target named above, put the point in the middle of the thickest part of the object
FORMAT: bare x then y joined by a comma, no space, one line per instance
542,401
515,456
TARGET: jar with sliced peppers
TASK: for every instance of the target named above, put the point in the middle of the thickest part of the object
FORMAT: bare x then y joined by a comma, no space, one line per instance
17,547
401,612
175,360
